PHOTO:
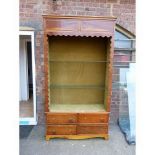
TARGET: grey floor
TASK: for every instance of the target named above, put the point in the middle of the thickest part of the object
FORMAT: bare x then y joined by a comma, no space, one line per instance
32,142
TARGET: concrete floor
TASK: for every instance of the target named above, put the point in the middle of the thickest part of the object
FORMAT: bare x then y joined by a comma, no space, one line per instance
32,142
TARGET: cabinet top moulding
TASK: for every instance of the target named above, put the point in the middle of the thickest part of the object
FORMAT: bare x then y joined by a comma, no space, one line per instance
89,26
81,17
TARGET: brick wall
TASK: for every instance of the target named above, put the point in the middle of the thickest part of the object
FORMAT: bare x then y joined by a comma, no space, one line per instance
31,12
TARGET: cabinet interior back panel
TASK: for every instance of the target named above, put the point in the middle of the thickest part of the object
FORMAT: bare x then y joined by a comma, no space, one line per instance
77,95
76,72
77,48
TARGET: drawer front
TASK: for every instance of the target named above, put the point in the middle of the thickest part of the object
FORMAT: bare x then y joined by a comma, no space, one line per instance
61,130
93,118
61,118
92,129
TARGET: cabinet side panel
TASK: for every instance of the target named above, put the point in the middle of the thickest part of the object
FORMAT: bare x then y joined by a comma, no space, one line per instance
46,70
108,78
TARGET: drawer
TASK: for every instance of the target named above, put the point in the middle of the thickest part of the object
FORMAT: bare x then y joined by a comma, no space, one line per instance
61,130
61,118
93,118
92,129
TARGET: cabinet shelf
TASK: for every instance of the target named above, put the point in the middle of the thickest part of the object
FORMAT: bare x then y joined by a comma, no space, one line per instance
97,107
68,61
76,86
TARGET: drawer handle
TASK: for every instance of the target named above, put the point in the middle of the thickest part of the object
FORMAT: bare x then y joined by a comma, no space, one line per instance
102,120
71,120
53,132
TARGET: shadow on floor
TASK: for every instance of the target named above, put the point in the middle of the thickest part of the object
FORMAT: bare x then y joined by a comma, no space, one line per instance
25,130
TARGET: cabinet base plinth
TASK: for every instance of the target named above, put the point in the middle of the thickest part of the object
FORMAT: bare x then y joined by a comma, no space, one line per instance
104,136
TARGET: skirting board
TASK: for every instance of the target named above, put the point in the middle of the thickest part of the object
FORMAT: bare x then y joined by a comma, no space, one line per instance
105,136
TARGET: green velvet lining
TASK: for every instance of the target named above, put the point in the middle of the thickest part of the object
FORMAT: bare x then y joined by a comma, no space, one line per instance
77,71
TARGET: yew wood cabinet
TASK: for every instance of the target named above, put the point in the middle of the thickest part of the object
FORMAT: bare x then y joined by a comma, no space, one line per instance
78,56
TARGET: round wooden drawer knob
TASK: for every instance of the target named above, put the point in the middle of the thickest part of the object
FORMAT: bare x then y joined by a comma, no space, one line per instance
102,120
71,120
53,132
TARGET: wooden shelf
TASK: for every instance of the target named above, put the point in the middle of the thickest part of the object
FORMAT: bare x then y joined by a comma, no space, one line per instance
96,107
68,61
76,86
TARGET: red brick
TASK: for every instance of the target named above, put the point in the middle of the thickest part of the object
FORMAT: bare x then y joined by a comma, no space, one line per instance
112,1
29,6
32,1
127,1
79,8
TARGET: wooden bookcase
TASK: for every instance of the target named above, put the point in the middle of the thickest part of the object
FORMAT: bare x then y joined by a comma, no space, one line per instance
78,54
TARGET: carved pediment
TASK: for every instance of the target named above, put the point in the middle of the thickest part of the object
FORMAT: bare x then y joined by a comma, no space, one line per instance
79,26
